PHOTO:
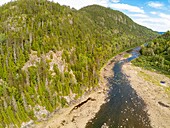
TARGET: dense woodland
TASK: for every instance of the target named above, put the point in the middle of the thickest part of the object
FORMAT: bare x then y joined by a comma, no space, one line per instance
156,54
51,55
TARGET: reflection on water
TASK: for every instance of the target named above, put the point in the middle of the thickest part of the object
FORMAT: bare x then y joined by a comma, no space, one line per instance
124,108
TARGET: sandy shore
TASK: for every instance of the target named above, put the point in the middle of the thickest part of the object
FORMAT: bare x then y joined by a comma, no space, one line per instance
148,87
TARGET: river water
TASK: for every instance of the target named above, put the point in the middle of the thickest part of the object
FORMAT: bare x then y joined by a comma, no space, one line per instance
124,108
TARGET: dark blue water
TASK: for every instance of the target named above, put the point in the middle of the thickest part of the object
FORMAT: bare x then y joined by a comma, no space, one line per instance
124,108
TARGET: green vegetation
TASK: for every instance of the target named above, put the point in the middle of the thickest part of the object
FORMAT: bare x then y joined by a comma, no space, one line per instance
127,55
149,78
51,53
156,55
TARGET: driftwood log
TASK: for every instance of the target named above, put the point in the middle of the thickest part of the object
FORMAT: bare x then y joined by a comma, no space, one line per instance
82,103
164,105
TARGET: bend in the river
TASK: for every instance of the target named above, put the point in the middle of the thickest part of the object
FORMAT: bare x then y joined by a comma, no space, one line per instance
124,108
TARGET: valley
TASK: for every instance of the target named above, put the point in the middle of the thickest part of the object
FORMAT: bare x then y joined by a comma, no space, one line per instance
150,91
54,68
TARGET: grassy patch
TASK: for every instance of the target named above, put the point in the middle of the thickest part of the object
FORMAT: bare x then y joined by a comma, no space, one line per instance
149,78
168,90
127,55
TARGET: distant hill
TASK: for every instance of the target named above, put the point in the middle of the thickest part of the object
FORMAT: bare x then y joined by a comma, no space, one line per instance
156,55
115,21
51,55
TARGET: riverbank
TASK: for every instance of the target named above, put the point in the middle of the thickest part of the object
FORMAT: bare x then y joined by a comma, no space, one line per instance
85,109
148,87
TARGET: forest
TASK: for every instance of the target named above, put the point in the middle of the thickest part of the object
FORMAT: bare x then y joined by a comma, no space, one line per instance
155,55
50,55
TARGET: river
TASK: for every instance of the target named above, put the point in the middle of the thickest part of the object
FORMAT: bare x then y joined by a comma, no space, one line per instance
124,108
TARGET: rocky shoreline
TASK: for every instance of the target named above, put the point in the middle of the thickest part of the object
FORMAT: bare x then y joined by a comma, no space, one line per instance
150,90
90,103
148,86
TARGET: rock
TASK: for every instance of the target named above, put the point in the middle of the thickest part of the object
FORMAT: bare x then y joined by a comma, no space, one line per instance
104,126
27,124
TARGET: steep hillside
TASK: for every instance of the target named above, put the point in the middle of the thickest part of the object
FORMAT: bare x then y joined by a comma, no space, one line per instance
116,22
156,55
51,54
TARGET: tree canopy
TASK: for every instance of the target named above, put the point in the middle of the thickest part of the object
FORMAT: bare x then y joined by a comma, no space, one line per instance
51,54
156,54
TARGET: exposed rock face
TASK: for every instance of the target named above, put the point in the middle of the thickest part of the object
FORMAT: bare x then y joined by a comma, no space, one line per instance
53,57
33,59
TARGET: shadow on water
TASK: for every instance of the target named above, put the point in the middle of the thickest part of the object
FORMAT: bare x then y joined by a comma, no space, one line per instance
124,108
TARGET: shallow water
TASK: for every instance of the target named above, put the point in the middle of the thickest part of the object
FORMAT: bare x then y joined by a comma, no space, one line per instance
124,108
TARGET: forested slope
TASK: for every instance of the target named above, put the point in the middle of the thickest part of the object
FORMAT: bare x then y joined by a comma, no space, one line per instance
156,55
51,54
116,22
